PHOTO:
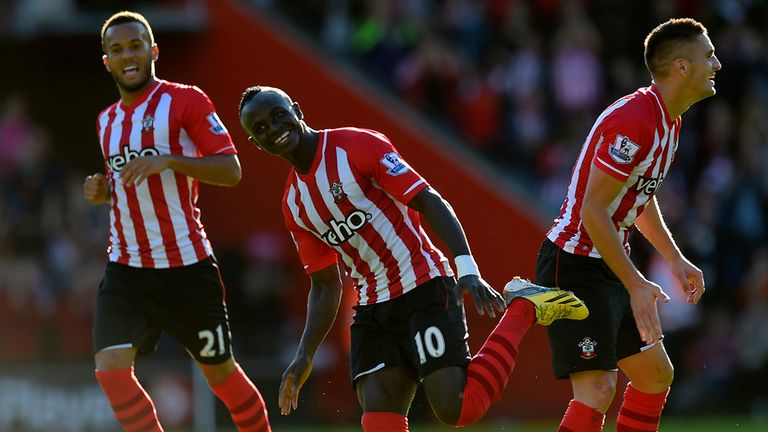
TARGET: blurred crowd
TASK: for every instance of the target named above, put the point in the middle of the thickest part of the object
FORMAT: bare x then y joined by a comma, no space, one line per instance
522,82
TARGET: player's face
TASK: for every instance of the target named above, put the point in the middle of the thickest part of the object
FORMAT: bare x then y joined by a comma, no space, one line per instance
703,64
273,123
130,56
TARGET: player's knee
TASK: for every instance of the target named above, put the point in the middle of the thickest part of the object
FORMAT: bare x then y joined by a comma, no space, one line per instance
596,390
114,359
665,375
447,412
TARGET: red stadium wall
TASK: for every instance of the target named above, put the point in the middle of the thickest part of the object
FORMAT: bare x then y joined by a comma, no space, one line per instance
242,49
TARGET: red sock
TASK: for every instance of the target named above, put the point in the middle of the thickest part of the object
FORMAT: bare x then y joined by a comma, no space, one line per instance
243,401
581,418
374,421
132,405
640,412
488,371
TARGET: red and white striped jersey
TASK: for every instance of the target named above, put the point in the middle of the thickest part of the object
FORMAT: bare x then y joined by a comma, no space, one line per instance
352,204
157,223
633,140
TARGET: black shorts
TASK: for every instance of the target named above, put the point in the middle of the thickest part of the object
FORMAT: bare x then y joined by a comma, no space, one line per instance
609,333
423,329
135,304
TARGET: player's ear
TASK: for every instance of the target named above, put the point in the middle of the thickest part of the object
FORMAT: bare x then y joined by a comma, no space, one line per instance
680,66
251,139
155,52
297,110
106,63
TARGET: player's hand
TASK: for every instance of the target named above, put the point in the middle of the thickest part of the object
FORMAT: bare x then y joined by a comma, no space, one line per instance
293,378
137,170
691,279
643,295
485,297
96,189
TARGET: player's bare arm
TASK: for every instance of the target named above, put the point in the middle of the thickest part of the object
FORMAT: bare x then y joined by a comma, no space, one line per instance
651,224
219,170
601,190
441,217
322,306
96,189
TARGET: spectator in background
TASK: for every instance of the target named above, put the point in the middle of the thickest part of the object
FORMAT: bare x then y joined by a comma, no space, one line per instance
158,141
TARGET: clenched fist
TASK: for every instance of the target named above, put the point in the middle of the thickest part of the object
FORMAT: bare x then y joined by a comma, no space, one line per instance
96,189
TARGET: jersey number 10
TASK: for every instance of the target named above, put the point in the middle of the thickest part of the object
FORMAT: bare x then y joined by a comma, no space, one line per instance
433,341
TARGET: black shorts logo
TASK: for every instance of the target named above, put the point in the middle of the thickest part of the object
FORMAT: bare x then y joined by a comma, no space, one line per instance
587,346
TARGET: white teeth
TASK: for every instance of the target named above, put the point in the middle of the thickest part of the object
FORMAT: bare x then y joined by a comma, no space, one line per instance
282,137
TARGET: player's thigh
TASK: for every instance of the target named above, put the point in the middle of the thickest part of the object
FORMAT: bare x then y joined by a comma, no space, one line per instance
390,389
376,332
649,370
122,317
194,312
588,344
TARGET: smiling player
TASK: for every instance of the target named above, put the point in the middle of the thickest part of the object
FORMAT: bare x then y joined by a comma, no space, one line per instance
622,164
158,141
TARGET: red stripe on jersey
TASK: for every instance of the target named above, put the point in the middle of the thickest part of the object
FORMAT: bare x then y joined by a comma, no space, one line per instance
155,184
133,202
369,233
187,198
123,257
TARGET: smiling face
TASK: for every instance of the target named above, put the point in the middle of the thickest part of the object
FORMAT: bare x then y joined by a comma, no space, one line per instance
274,123
701,67
130,56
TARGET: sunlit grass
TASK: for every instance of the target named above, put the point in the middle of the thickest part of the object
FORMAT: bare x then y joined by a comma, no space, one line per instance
698,424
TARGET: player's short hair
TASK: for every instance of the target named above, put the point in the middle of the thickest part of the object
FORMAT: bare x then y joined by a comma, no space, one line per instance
669,41
124,17
251,92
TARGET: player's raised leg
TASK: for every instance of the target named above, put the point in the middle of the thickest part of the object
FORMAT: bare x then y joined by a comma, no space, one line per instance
488,372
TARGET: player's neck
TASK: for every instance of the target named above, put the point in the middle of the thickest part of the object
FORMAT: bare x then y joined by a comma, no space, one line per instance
674,98
128,97
304,156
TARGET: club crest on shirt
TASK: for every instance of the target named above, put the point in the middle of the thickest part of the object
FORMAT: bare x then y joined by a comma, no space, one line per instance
623,150
337,190
148,124
587,346
217,127
394,165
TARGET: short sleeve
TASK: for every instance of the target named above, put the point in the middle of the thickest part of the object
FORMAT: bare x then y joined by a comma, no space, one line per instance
623,145
314,253
378,159
202,124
